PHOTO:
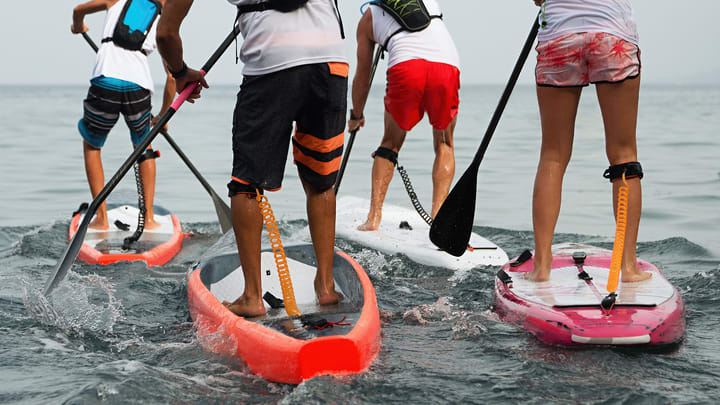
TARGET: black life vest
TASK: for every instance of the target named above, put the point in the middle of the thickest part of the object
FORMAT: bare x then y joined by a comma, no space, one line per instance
284,6
135,21
412,15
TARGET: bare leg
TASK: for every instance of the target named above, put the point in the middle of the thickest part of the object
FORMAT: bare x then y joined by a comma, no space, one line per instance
247,224
558,108
382,173
444,166
321,218
96,180
147,171
619,105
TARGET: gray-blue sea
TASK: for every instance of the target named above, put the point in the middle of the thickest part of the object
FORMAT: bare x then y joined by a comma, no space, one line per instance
122,333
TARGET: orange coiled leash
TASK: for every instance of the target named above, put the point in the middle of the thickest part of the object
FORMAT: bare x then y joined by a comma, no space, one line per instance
618,246
279,255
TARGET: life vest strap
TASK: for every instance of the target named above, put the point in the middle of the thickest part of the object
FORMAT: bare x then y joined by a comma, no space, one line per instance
109,39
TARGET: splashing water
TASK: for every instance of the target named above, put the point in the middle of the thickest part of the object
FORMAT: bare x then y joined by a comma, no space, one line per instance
79,304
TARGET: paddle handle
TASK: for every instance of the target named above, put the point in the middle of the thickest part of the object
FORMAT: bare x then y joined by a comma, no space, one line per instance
350,142
73,248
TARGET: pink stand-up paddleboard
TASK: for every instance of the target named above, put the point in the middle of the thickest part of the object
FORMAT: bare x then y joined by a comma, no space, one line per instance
567,309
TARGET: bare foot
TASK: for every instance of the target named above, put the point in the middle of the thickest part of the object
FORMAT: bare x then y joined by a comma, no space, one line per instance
372,223
634,276
99,224
243,307
326,294
151,224
538,276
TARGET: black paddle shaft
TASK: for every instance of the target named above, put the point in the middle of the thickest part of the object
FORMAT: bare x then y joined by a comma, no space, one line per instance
350,142
73,248
452,226
223,211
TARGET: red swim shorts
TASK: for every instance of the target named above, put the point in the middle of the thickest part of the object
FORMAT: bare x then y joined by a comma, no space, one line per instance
416,86
575,60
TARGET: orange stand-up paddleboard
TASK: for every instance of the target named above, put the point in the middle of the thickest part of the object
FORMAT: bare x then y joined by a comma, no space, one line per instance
335,339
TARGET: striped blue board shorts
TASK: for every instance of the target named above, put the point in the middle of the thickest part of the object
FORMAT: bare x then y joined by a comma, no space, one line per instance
106,99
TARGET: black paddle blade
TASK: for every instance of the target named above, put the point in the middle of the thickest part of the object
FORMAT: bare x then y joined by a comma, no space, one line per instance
452,226
223,213
71,253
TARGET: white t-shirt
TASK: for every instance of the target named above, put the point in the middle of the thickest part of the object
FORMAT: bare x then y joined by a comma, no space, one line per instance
615,17
275,41
120,63
433,44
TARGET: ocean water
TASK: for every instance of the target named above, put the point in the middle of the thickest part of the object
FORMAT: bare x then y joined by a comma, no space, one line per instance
122,333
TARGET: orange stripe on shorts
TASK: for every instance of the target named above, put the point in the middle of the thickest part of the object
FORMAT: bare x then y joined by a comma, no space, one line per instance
320,145
322,168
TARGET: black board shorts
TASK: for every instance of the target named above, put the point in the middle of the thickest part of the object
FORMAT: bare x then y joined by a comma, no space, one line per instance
315,98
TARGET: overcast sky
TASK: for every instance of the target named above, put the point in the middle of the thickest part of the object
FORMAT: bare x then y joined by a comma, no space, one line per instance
679,40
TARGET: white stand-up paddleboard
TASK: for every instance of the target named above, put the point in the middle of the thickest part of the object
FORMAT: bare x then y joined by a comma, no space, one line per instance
412,240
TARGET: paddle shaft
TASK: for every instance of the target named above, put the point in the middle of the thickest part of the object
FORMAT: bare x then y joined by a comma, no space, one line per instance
221,208
452,227
506,94
73,248
350,142
90,41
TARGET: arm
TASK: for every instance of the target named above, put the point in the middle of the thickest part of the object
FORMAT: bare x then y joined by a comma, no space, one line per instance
170,47
80,11
361,80
168,94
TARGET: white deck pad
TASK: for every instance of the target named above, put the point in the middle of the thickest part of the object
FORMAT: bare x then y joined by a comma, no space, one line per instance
566,289
415,243
128,214
302,276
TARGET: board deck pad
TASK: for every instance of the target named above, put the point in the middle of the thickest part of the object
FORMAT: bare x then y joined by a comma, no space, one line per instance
110,241
302,273
415,243
566,289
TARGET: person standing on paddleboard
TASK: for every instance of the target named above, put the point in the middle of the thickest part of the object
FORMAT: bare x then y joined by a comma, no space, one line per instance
295,70
120,83
582,42
423,76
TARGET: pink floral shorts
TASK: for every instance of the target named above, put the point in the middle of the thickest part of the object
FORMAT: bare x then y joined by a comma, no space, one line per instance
590,57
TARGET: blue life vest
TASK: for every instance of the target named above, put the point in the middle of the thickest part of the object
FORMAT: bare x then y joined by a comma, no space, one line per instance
134,23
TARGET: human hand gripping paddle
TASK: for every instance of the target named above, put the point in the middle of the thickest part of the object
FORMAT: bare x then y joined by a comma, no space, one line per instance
452,226
73,248
350,142
221,208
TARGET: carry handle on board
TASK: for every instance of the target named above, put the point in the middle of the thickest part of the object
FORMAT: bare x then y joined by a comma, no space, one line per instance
73,248
452,226
221,208
343,164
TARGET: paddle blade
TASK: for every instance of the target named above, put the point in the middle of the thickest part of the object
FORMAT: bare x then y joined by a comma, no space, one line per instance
452,226
223,213
68,258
